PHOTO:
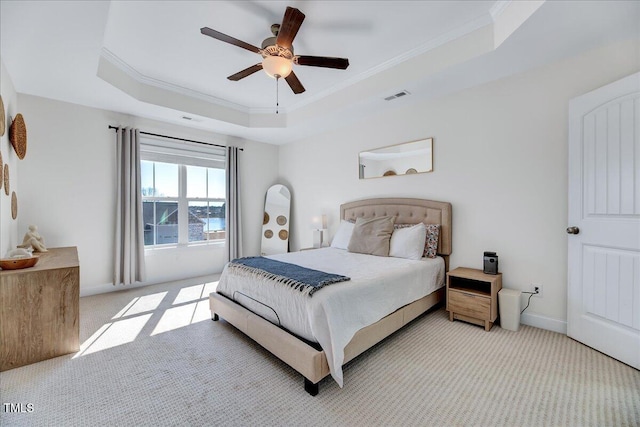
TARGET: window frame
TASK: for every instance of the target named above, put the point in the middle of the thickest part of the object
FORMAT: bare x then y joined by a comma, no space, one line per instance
182,155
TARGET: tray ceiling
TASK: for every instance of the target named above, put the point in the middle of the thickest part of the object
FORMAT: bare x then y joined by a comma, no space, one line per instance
148,58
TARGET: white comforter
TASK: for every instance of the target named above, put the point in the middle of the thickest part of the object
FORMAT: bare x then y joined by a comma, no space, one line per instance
378,287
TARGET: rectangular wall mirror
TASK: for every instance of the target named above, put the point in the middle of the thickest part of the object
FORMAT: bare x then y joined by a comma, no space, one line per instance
401,159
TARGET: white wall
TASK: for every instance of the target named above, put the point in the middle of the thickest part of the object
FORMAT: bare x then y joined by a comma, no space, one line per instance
500,158
500,155
68,190
8,226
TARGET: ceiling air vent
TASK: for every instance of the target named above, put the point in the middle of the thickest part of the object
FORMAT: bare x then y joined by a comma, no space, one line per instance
397,95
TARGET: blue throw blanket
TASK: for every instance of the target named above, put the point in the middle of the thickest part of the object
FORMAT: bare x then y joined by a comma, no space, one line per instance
300,278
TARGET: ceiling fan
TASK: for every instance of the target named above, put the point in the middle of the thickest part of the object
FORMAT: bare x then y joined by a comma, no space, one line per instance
277,52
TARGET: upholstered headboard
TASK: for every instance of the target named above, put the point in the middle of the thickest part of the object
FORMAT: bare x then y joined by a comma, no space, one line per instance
406,211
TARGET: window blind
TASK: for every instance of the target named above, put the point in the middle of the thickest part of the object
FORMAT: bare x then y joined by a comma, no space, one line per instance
161,150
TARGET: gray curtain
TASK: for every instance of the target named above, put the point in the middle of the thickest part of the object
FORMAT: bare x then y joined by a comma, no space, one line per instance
129,238
232,211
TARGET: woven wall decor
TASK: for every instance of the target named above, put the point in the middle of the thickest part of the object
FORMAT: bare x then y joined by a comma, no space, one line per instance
18,136
2,119
6,179
14,205
265,218
1,171
283,234
281,220
268,234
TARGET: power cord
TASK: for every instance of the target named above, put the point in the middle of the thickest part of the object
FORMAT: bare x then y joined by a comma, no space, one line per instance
529,300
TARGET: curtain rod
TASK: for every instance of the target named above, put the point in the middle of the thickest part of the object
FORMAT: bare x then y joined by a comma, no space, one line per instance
178,139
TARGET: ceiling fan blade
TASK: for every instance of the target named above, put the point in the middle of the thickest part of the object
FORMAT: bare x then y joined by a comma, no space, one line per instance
323,61
246,72
228,39
294,83
289,28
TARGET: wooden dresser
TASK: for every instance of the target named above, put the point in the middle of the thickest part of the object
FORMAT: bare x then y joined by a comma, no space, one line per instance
39,309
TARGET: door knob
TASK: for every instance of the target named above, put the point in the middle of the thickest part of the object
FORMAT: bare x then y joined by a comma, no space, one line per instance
573,230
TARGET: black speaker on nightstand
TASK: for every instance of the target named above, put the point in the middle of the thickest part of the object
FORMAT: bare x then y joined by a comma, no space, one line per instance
490,263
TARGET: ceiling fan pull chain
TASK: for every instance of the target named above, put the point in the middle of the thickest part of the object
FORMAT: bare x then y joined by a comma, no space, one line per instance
277,93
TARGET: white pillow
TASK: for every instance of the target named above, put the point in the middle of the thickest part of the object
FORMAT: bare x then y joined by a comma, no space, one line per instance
408,242
343,235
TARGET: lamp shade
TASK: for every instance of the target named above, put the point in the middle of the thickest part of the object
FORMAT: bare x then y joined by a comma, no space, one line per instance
277,66
319,222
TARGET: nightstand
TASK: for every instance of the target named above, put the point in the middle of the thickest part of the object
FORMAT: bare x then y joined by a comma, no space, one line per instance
472,296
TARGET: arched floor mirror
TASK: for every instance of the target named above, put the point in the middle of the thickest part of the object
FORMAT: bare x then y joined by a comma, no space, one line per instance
275,225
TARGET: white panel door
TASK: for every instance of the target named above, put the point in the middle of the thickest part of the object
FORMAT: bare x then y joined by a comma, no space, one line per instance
604,211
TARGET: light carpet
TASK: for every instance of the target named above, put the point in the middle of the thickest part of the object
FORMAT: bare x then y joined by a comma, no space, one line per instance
152,356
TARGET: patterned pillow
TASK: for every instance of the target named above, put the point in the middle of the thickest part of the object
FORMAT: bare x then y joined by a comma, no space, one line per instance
431,242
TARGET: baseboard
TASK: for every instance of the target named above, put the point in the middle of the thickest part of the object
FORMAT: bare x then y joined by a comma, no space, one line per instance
544,322
109,287
97,290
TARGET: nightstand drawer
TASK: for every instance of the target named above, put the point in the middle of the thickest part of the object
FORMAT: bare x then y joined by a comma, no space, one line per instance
471,305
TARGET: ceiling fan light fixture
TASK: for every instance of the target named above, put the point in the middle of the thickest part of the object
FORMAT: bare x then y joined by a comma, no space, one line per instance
277,52
277,66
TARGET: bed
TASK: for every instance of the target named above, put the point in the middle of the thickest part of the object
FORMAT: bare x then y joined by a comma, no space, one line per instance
323,346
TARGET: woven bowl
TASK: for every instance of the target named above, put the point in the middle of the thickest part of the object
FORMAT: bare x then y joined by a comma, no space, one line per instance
18,136
18,263
14,205
5,179
2,118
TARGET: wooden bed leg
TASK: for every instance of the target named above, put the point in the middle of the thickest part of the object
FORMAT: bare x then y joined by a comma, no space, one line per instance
310,387
215,317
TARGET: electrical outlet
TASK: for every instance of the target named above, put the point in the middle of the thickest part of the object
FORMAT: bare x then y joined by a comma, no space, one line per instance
535,287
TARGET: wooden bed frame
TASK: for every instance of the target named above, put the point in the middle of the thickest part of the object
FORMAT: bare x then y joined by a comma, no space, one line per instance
304,358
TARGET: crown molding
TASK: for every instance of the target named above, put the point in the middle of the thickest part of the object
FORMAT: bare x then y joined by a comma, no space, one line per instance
142,79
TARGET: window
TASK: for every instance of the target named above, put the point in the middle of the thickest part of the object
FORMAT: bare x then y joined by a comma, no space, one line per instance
183,194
